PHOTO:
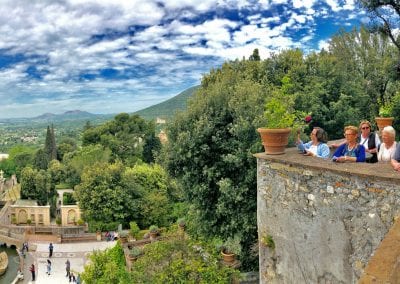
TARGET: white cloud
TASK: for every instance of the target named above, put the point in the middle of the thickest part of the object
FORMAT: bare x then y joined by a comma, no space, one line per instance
333,4
323,44
159,47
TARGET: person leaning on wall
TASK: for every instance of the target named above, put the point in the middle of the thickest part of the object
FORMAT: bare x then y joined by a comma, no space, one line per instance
370,140
317,147
396,159
351,150
388,147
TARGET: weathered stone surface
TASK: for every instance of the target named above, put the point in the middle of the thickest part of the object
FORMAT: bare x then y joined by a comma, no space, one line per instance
326,219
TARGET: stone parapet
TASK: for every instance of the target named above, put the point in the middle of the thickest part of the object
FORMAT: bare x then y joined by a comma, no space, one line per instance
320,221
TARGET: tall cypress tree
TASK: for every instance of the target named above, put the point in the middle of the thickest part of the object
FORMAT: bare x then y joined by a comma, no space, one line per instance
50,147
53,144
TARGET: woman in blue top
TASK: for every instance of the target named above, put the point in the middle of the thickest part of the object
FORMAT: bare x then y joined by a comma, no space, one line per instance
350,151
317,147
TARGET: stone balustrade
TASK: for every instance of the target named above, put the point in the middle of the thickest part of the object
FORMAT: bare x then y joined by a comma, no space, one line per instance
320,221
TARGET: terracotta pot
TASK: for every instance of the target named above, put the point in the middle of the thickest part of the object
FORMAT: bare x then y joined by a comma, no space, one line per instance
274,140
228,257
381,122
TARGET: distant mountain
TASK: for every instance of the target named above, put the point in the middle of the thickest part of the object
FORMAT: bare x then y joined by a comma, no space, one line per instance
68,115
46,115
168,108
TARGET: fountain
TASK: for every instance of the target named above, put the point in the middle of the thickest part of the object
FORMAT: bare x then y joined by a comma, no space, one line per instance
13,264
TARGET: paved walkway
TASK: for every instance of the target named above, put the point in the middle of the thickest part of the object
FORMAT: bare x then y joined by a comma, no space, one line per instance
77,253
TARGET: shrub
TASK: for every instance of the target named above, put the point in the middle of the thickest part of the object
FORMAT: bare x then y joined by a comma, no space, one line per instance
136,251
134,229
80,222
58,220
232,245
174,260
181,222
153,229
29,221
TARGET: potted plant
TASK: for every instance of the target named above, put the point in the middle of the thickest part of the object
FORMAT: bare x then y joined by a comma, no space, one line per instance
181,223
153,231
230,249
280,116
123,236
385,117
58,220
80,222
134,253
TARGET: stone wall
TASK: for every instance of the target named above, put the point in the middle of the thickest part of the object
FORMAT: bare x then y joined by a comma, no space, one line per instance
319,221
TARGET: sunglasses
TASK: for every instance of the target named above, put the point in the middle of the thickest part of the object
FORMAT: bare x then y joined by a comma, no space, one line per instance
366,127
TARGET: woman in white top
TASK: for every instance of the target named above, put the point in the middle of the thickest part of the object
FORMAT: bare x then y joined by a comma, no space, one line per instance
370,141
388,147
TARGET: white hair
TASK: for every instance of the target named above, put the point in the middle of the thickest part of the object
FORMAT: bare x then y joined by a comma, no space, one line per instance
389,130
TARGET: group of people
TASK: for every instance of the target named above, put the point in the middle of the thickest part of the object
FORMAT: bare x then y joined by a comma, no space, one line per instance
111,236
360,145
69,274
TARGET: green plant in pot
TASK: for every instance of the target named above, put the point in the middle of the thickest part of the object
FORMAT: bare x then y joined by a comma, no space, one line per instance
385,117
280,117
153,231
123,236
181,222
231,248
135,252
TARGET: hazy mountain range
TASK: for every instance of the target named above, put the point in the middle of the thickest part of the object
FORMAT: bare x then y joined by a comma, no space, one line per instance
164,110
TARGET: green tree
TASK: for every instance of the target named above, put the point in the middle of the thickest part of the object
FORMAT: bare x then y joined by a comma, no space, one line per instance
101,195
40,161
67,145
56,171
385,16
255,56
150,189
37,185
106,267
75,162
50,147
210,151
126,136
28,187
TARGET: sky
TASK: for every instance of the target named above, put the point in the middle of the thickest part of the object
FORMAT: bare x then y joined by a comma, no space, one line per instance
112,56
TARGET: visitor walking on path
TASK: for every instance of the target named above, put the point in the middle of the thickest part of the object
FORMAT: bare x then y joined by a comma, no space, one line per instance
67,267
50,250
48,267
32,270
72,278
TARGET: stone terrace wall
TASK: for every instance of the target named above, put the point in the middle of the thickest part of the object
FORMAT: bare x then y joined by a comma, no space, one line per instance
325,218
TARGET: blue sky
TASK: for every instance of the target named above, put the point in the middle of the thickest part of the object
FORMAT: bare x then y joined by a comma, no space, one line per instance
111,56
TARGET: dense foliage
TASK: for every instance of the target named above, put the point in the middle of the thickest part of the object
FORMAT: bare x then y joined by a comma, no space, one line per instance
130,138
37,185
178,260
210,149
110,193
106,267
211,145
